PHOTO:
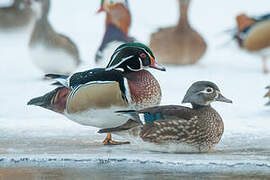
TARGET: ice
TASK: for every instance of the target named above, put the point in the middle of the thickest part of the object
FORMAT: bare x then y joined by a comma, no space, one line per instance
31,135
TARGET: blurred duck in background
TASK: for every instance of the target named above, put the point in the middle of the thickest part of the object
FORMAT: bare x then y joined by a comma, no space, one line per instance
117,24
17,16
50,51
267,95
179,45
253,35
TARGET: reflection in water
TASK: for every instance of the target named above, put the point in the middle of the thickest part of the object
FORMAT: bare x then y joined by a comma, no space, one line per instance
105,173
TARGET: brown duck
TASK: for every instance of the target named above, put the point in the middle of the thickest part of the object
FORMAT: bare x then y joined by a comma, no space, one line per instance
50,51
198,128
17,16
181,44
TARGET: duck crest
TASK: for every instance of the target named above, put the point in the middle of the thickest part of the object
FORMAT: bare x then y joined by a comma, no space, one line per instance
144,89
120,17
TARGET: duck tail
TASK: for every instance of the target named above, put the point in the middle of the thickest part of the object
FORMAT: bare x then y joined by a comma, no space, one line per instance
54,100
128,125
131,114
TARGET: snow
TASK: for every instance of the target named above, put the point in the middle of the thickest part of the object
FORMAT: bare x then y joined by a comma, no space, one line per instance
34,135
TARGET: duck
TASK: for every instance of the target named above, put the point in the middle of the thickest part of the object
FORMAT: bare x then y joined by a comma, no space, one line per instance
181,44
16,17
267,95
117,25
253,36
91,97
179,128
50,51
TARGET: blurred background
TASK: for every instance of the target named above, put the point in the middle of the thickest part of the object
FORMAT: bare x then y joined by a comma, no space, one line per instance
27,131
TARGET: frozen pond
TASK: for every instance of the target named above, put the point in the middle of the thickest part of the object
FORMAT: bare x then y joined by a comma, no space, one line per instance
39,144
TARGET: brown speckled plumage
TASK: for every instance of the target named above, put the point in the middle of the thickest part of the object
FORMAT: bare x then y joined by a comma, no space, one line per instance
144,89
201,128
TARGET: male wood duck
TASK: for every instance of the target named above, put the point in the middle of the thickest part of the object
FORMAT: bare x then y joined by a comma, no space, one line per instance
16,16
200,128
180,45
50,51
253,35
91,97
118,20
267,95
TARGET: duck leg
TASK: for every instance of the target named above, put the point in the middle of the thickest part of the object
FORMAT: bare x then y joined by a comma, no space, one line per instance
108,141
265,69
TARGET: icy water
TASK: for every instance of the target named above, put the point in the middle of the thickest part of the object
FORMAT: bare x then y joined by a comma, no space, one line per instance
116,173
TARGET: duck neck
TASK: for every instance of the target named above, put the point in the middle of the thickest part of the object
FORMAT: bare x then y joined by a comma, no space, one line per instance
120,17
197,106
183,7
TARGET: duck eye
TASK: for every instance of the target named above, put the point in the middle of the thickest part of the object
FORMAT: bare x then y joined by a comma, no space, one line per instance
143,55
209,90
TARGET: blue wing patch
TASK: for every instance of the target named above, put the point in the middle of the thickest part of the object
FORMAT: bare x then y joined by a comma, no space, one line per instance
151,118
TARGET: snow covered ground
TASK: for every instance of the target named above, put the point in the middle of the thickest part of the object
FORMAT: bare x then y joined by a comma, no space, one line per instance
34,136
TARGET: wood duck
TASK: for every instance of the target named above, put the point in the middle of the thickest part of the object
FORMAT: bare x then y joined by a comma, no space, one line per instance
200,128
179,45
18,15
91,97
267,95
118,20
253,35
50,51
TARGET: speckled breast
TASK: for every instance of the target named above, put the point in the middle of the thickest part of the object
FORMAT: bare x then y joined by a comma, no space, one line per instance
144,89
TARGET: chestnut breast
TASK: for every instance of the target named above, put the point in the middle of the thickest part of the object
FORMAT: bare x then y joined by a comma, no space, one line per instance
144,89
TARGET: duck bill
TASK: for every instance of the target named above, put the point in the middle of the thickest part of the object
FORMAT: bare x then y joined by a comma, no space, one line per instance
155,65
221,98
100,10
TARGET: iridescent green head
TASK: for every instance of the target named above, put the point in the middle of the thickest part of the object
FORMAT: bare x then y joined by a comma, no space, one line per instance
132,57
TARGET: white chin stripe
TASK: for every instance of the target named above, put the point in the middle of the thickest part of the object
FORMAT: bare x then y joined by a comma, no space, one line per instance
123,60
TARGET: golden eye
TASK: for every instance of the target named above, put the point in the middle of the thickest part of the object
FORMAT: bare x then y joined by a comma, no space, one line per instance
209,90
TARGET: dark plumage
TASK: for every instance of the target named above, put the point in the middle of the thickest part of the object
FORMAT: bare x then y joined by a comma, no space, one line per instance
200,127
267,95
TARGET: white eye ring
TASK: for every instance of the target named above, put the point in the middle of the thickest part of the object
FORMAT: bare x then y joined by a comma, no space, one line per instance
208,90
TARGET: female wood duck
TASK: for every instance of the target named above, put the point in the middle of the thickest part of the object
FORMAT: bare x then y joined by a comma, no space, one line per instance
50,51
18,15
199,128
253,35
118,20
267,95
91,97
180,44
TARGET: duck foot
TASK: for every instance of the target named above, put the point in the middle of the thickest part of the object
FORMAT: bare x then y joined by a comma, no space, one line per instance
108,141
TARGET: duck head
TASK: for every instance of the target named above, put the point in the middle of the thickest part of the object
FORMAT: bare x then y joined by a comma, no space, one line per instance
117,13
41,7
133,57
203,93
